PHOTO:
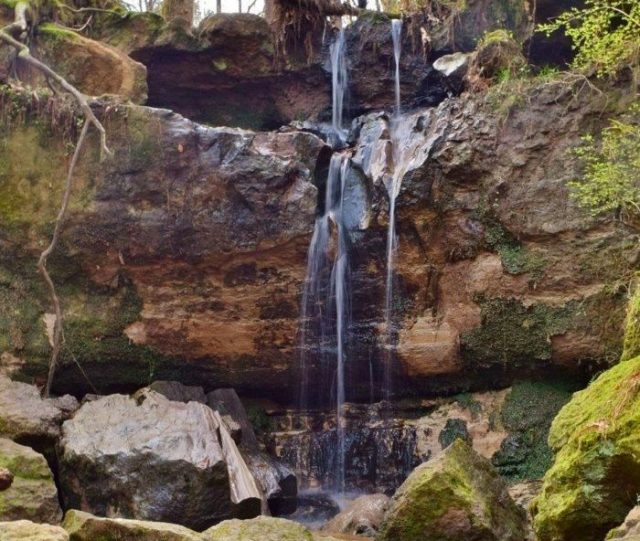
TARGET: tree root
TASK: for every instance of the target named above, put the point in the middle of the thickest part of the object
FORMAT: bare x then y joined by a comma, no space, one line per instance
19,26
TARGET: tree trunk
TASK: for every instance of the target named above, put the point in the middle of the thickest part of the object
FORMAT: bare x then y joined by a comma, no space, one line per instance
182,10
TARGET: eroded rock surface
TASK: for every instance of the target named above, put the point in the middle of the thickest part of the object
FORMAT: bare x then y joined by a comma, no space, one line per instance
25,530
363,516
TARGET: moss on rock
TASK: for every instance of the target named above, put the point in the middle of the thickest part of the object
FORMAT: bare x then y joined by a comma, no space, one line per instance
528,411
85,527
631,345
33,494
514,333
595,478
457,495
262,528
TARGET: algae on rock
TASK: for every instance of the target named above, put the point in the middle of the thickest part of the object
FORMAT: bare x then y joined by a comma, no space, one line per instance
457,495
595,478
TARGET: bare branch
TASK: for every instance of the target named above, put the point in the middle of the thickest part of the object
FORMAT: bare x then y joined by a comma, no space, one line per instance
42,262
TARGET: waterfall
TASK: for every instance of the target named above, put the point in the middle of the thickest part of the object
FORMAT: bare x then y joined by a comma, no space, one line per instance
396,34
393,190
338,81
328,307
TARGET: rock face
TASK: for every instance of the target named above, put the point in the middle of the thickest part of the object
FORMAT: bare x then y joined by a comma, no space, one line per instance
85,527
25,530
184,257
629,529
594,480
457,496
32,495
362,516
150,459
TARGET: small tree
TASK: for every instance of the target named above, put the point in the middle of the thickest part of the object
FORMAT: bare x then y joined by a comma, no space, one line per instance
605,34
611,181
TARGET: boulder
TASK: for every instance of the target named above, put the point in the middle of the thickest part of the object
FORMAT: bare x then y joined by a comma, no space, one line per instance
258,529
178,392
149,458
595,477
85,527
455,497
498,53
25,530
629,530
33,494
26,416
363,516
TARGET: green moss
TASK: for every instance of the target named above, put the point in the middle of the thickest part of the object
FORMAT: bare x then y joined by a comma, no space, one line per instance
457,483
595,478
631,345
263,528
454,429
467,401
496,36
527,414
56,34
514,334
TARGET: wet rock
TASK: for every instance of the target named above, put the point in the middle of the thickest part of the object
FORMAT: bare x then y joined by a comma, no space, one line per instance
314,509
149,458
262,528
362,516
27,417
85,527
25,530
458,496
32,494
629,529
595,476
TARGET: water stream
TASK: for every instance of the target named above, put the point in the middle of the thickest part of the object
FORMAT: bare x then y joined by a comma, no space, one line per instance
393,188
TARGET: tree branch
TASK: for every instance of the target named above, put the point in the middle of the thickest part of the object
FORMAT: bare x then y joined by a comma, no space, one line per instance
19,26
42,262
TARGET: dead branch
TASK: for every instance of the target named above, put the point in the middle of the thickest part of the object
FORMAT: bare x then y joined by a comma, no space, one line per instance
19,26
42,262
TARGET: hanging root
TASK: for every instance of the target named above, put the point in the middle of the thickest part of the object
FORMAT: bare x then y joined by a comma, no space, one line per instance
19,28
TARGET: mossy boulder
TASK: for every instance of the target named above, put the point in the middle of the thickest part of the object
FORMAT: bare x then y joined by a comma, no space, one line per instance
260,528
595,478
631,345
25,530
32,494
455,497
86,527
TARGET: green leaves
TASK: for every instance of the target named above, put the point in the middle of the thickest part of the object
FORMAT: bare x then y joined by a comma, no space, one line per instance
611,180
605,34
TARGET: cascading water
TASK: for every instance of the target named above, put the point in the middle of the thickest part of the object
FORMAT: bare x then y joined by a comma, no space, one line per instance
328,307
393,190
338,82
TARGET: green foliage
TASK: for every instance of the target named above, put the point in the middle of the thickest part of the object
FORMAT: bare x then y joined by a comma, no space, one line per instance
454,429
611,180
605,34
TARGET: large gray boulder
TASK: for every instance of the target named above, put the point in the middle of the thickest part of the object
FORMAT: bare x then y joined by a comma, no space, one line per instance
26,416
32,494
155,459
